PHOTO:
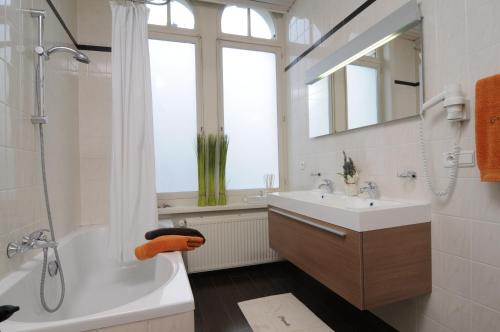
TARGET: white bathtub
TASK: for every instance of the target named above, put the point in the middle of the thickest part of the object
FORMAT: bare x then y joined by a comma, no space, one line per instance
99,292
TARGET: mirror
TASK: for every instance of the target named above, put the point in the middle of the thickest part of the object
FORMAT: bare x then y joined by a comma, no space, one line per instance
373,79
320,108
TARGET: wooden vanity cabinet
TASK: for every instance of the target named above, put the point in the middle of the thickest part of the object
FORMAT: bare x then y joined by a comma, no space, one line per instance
368,269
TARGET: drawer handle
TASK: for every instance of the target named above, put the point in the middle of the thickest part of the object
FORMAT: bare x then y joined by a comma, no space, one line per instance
305,221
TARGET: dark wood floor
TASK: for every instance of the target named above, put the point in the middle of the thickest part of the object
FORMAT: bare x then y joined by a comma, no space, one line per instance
217,295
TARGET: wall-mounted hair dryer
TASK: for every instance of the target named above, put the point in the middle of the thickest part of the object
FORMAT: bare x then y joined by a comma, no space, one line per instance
453,102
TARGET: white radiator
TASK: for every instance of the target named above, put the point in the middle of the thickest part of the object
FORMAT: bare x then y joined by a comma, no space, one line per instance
232,241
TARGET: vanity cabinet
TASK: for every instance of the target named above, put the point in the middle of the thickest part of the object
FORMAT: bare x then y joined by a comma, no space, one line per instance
368,269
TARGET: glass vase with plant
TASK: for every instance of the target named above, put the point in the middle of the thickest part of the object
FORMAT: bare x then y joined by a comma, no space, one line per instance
351,176
223,146
212,155
201,153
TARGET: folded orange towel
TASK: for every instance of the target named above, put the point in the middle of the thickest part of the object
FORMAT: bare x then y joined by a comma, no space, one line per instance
488,127
167,243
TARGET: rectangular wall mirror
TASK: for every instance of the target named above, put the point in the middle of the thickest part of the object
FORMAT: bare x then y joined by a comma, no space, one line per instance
374,79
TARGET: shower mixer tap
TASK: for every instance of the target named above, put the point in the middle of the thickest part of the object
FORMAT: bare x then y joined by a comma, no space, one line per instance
36,240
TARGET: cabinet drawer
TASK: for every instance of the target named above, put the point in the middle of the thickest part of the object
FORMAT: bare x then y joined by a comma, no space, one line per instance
334,259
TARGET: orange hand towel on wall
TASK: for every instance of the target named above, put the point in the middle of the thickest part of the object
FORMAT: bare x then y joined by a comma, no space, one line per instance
167,243
488,127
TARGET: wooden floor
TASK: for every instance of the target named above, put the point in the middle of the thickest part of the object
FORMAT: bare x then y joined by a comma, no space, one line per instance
217,295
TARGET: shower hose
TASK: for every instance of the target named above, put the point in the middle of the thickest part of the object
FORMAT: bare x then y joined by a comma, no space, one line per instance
51,226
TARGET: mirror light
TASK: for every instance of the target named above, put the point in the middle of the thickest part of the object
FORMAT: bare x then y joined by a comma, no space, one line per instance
381,33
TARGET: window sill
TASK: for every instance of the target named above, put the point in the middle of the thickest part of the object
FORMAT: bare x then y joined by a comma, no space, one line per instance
171,210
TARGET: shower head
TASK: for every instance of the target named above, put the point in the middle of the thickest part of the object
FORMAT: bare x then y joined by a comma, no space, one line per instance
77,55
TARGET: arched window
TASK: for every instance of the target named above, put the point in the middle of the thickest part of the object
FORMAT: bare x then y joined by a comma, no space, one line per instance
248,22
177,14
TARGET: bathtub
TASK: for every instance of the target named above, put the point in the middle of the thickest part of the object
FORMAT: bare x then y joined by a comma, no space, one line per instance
145,296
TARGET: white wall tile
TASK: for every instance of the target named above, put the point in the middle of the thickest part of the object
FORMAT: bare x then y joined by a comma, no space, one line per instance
485,246
485,285
455,236
21,199
484,319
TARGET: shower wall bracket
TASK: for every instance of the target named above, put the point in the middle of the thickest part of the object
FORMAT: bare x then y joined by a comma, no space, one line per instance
39,117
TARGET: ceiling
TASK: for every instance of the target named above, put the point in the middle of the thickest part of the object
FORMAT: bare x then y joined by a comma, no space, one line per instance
280,6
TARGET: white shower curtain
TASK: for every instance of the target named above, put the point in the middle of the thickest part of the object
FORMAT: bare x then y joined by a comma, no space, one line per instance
132,191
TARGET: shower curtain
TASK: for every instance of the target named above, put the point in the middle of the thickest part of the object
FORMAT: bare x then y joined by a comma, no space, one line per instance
132,188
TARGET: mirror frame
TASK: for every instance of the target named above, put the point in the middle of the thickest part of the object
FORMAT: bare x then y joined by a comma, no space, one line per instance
379,34
383,32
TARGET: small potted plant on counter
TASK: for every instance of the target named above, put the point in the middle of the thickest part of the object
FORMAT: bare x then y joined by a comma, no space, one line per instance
350,175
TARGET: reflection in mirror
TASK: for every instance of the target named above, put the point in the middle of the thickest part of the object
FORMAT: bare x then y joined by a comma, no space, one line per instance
320,108
381,86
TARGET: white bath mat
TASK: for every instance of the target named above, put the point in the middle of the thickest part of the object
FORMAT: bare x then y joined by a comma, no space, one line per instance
281,313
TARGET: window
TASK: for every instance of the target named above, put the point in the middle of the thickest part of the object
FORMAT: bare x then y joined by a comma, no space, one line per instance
250,116
362,96
248,22
177,14
173,80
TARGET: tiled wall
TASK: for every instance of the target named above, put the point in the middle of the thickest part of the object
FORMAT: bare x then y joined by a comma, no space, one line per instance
21,201
461,44
94,28
180,322
94,108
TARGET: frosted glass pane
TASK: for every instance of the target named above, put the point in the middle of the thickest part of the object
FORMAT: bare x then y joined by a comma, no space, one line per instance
250,117
262,25
235,21
173,78
320,115
158,15
362,96
181,16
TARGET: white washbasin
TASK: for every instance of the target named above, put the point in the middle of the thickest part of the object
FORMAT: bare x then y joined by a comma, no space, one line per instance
355,213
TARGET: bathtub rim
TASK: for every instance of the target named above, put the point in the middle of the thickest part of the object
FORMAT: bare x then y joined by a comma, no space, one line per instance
173,297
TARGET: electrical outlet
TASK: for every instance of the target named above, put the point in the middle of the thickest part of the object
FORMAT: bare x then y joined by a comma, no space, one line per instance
302,165
465,159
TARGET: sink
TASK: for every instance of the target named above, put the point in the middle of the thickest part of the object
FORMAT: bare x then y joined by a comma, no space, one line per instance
355,213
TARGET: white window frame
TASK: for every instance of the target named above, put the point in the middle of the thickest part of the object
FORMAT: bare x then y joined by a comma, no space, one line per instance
276,41
278,51
161,33
374,63
172,29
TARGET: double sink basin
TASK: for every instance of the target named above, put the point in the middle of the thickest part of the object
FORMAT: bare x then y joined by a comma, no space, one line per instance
354,213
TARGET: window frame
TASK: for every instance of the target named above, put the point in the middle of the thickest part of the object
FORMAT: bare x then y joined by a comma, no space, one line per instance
176,30
373,63
280,111
196,41
276,41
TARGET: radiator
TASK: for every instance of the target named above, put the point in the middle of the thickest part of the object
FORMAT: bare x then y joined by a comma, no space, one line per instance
232,241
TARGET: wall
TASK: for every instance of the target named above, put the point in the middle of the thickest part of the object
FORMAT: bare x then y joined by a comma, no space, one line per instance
94,108
461,44
22,207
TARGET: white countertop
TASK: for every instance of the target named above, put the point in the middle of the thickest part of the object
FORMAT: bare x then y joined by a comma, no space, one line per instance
355,213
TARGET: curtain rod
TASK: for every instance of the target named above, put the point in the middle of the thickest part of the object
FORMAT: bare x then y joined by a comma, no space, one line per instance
151,2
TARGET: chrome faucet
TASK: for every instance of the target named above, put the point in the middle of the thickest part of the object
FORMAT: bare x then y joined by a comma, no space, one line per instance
370,188
36,240
326,186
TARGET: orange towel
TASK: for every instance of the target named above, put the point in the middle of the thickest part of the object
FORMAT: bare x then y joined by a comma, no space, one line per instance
488,127
167,243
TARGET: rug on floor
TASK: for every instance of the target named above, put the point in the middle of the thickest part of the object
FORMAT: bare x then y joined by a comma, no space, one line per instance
281,313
